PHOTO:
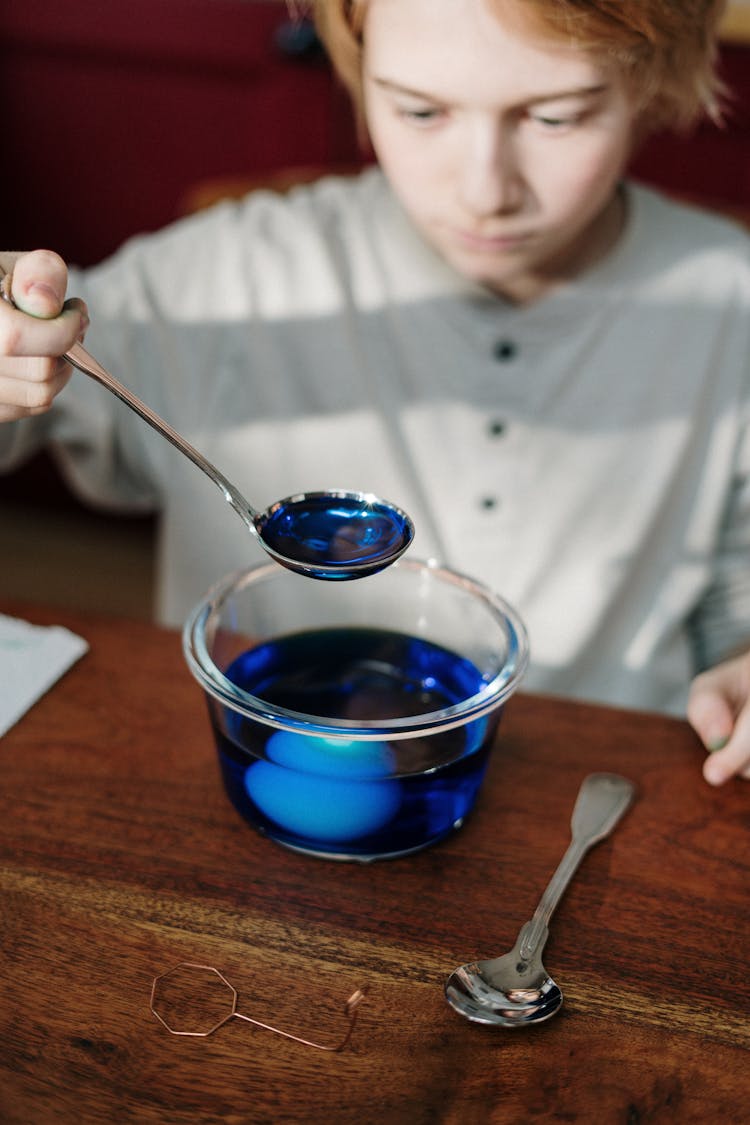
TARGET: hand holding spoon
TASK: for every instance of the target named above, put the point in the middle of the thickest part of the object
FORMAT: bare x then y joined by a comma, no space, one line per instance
516,990
333,535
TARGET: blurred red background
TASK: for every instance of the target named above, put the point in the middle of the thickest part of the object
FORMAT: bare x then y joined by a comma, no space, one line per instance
111,114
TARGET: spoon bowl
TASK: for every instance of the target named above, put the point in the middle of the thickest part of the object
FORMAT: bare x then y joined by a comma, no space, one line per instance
334,535
506,991
516,990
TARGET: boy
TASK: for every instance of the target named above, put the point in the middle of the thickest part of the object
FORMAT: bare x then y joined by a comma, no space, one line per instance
544,365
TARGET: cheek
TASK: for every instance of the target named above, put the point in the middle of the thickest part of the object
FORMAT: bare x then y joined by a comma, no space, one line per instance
413,163
413,173
580,178
396,152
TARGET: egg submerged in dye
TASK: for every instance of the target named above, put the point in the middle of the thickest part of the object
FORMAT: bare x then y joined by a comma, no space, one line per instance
326,789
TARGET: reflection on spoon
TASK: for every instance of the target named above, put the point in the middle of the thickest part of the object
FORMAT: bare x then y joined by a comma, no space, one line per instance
334,535
516,990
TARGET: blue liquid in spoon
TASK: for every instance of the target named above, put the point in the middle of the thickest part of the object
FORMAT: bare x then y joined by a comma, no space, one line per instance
335,535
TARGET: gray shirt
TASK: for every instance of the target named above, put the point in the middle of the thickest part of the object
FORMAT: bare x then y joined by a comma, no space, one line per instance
586,456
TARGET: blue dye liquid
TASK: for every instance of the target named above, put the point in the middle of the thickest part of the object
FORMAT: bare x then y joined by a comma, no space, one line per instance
339,797
351,535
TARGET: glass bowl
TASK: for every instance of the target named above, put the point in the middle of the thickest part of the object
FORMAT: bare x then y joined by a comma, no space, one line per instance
355,720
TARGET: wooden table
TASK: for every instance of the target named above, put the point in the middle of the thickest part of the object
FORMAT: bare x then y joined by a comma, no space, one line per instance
121,857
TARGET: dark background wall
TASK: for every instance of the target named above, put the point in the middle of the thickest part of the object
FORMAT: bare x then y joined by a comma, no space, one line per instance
110,113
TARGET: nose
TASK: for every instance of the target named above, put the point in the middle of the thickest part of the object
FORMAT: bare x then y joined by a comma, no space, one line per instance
491,181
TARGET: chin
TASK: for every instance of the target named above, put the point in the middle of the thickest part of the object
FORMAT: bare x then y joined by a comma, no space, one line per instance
483,270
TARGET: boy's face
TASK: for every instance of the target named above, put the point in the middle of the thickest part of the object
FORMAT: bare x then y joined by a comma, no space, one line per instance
504,148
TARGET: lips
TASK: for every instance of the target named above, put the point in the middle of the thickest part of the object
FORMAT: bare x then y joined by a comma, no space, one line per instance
491,242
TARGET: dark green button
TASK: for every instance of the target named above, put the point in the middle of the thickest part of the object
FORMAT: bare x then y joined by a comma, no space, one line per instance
505,350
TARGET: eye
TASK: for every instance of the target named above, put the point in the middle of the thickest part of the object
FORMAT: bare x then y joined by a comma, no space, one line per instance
555,122
420,115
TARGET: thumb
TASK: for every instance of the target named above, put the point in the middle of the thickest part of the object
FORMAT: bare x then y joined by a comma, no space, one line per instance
39,282
710,714
719,711
734,757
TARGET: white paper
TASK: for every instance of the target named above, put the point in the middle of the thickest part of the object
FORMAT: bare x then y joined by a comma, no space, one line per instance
32,659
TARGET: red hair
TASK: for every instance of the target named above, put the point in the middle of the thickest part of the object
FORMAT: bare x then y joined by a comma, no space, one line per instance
666,49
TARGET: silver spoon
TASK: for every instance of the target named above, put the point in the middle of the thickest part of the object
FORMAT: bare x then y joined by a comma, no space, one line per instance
516,990
333,535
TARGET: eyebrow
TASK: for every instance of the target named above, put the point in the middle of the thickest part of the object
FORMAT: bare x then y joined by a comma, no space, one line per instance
537,99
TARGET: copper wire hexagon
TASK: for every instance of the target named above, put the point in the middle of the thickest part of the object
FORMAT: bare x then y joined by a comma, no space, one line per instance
206,968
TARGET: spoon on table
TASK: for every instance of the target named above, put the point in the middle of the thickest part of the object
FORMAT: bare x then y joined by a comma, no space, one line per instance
516,990
332,535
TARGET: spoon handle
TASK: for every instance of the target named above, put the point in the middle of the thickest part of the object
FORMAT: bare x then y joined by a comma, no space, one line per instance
602,800
85,362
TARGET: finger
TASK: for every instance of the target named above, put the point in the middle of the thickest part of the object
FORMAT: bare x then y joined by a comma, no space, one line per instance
735,757
29,386
39,282
24,335
710,713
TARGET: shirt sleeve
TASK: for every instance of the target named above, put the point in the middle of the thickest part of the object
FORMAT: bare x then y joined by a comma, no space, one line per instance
18,441
720,626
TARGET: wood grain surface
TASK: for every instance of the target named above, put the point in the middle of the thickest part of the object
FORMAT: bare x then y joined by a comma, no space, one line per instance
120,857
